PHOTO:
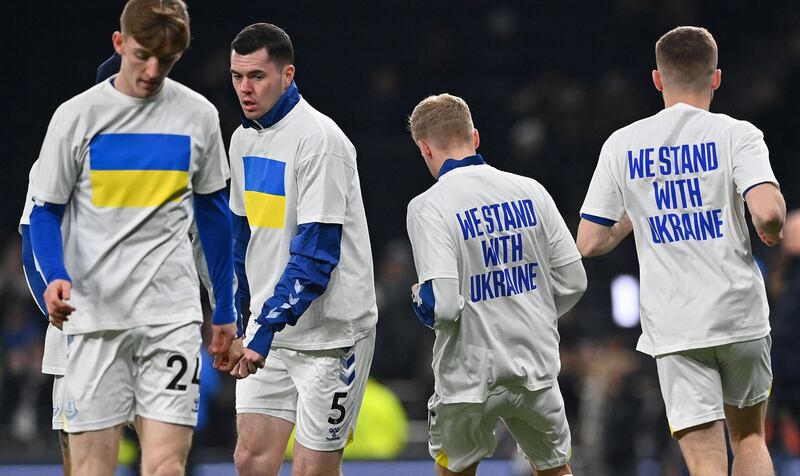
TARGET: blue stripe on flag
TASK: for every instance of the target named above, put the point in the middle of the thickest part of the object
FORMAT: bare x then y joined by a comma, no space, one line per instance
264,175
140,152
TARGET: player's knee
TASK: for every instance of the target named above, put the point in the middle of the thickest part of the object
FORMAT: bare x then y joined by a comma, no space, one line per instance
169,467
251,461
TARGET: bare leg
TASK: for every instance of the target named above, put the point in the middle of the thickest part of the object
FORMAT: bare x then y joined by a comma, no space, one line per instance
63,438
95,452
165,447
470,471
261,444
704,449
308,462
560,471
746,429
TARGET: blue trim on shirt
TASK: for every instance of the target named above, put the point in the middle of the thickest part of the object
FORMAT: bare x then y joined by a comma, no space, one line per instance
35,280
598,220
109,68
285,104
451,164
213,218
314,253
241,238
425,307
46,241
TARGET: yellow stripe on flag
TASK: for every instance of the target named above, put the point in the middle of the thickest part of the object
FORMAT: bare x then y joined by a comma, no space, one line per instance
137,188
265,210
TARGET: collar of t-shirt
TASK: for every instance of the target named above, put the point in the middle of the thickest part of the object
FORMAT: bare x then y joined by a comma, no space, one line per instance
451,164
285,104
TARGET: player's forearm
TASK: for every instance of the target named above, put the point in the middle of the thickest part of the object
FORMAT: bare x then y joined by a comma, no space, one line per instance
569,284
438,302
595,239
35,280
241,238
214,227
314,253
46,241
767,208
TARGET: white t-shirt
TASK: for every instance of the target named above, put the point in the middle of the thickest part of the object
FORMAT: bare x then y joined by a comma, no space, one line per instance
680,176
303,170
500,235
128,168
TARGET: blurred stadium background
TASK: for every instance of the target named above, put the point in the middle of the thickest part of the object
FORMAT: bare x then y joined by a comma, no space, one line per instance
547,83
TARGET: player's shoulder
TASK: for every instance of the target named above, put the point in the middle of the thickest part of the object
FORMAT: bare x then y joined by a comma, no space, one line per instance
189,98
81,102
423,203
319,131
737,127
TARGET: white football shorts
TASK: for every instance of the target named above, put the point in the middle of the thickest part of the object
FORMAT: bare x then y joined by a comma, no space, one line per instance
149,371
695,383
461,434
318,390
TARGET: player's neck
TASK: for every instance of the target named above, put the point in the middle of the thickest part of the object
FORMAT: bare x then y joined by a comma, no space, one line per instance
700,101
440,157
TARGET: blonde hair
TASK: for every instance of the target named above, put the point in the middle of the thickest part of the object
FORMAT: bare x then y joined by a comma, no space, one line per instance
442,119
161,26
687,57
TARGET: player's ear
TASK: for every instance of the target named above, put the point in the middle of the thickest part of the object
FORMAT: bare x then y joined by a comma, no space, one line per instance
657,80
716,79
288,75
118,41
476,138
424,149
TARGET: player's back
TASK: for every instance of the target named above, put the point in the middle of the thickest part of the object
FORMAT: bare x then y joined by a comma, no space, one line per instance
506,235
127,167
682,174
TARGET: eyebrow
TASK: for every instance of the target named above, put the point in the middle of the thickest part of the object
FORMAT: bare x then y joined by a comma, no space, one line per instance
249,73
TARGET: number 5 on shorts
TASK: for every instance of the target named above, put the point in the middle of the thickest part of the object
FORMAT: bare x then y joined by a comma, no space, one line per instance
337,406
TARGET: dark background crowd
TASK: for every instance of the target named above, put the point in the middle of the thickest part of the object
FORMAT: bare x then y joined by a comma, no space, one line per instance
547,83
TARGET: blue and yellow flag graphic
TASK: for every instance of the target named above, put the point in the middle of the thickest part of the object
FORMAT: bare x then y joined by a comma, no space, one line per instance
264,192
138,170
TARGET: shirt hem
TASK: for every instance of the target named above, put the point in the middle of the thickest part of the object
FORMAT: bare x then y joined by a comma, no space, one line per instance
657,351
125,325
327,345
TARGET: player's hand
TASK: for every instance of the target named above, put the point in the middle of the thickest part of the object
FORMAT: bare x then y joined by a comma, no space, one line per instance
248,364
770,239
56,296
221,338
225,362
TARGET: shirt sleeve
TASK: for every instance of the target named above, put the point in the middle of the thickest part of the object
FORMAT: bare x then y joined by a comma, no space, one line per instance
604,197
53,176
750,158
212,171
323,184
434,251
237,180
562,245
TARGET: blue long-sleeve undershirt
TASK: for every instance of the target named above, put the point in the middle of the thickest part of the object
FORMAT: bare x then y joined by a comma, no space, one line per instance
314,253
35,280
241,238
213,218
46,240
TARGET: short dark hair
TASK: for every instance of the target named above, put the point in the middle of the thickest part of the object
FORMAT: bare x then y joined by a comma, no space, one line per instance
265,35
159,25
687,55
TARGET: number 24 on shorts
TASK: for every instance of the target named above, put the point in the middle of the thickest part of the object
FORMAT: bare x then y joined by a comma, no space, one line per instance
181,361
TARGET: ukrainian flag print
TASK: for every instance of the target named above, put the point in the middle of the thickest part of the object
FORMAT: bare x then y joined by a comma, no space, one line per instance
264,192
138,170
